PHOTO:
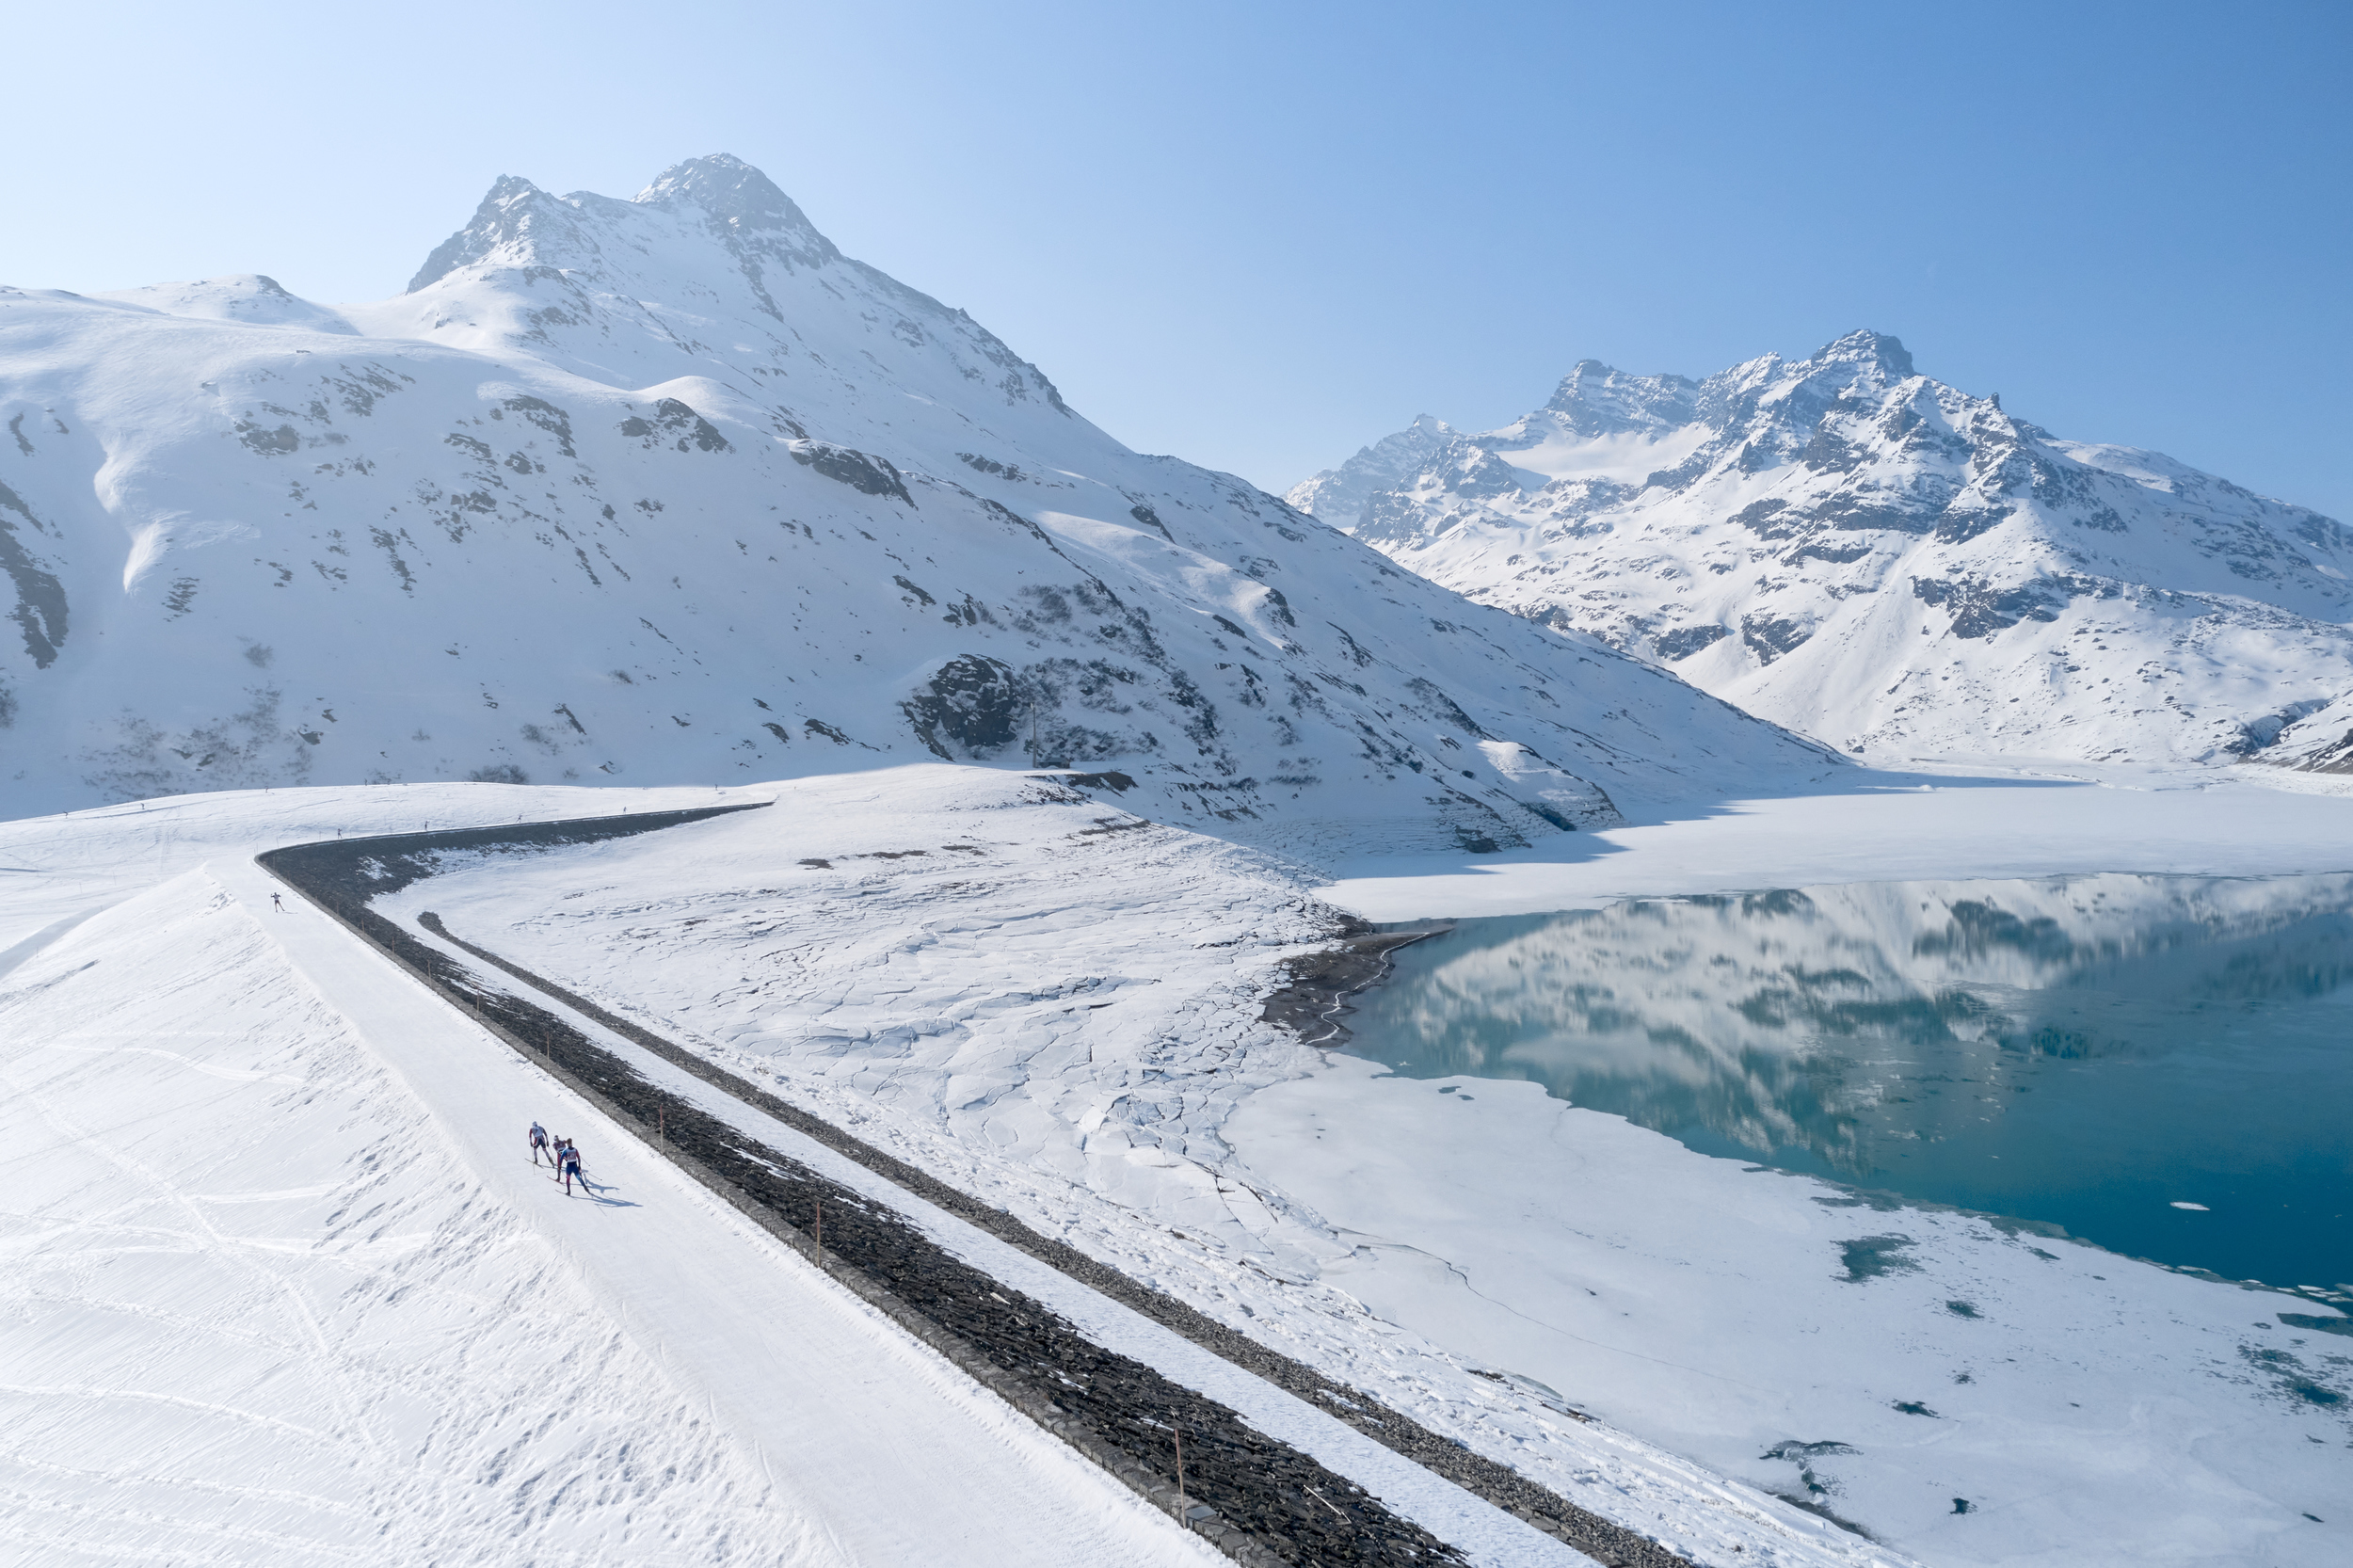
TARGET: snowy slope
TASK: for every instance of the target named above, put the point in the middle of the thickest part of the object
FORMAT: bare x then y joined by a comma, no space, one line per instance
2320,742
1057,1019
151,1001
1063,1020
1867,555
993,1009
283,1289
669,490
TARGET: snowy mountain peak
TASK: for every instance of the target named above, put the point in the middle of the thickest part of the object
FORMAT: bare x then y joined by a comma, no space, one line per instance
732,191
520,226
1595,399
1784,401
709,270
1852,549
504,226
1865,346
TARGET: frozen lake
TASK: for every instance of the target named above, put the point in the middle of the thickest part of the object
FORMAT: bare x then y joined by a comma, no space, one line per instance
2162,1066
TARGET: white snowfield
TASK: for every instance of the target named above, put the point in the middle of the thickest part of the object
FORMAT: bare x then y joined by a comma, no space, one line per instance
1054,1007
693,1376
1485,1533
285,1288
996,1018
671,489
1879,560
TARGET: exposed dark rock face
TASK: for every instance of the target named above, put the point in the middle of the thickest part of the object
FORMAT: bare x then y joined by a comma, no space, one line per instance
40,610
969,709
673,424
858,469
1683,641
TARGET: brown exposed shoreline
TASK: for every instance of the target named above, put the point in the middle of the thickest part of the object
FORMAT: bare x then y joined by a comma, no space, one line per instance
1314,995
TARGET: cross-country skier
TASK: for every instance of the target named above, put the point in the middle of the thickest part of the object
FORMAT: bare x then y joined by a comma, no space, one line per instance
275,903
570,1162
540,1143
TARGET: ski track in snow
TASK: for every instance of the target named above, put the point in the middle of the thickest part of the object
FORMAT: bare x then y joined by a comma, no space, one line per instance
315,1305
265,1314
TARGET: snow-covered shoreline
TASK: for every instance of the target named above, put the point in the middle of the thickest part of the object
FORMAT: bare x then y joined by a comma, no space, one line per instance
1065,1021
1933,820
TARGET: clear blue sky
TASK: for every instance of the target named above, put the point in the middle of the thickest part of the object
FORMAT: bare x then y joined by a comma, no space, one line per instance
1257,236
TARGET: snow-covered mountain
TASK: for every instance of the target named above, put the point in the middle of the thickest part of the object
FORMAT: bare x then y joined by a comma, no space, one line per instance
1848,547
2320,742
670,490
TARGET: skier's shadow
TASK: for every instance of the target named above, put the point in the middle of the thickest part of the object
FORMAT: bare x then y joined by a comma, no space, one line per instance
601,1193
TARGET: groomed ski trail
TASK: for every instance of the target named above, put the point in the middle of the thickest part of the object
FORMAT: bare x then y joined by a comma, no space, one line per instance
896,1455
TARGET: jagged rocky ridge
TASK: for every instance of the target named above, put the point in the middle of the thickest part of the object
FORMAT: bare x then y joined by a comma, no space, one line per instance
670,490
1850,548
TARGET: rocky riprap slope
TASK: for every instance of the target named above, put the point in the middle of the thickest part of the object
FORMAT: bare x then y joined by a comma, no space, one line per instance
669,490
1847,547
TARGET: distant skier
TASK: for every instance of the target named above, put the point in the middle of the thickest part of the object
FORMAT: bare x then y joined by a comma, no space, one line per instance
278,904
539,1144
569,1160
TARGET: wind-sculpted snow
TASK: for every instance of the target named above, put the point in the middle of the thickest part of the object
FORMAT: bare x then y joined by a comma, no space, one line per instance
1847,547
669,490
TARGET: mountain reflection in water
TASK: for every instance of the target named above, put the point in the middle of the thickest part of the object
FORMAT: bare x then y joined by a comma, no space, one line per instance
2083,1050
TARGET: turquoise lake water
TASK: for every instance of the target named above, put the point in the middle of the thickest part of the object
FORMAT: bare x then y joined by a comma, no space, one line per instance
2096,1053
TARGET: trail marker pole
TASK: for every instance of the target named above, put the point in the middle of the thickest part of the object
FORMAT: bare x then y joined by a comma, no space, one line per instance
661,1124
820,1234
1178,1433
